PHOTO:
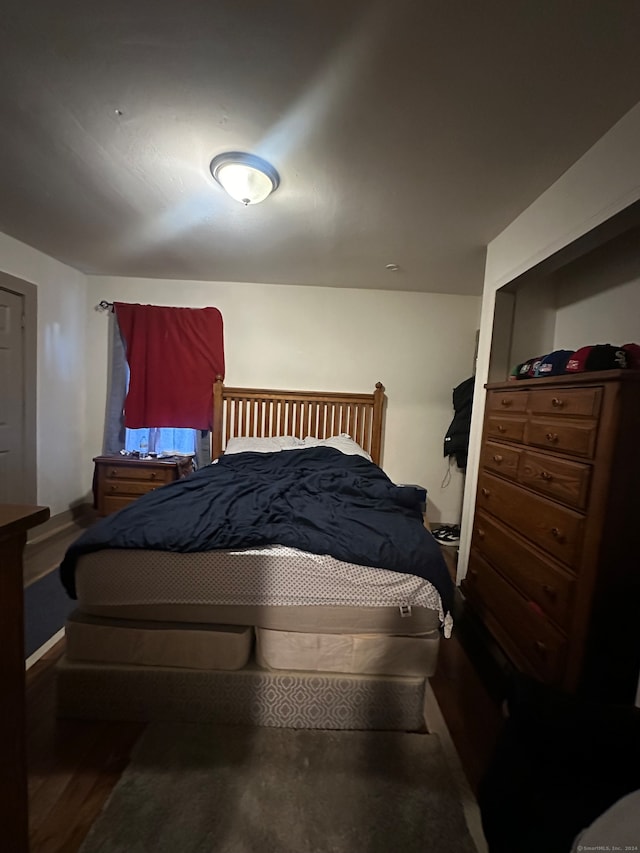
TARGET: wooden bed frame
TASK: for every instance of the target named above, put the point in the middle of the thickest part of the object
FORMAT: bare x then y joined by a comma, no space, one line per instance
257,695
264,413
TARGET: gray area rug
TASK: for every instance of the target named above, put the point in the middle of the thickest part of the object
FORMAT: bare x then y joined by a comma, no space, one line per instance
197,788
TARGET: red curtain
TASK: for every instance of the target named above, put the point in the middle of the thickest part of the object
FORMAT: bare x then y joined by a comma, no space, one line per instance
174,356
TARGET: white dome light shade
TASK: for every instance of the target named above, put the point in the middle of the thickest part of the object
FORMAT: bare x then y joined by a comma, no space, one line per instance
245,177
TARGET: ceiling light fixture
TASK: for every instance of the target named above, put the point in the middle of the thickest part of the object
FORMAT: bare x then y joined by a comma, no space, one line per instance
245,177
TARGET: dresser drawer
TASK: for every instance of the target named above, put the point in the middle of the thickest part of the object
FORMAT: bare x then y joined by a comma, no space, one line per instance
573,402
500,459
534,574
554,528
559,478
566,436
507,401
506,428
522,631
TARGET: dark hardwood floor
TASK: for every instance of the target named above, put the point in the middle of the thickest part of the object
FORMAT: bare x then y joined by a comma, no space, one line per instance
74,765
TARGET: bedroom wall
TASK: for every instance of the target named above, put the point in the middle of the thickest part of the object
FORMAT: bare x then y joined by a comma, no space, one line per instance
603,182
419,345
61,371
598,299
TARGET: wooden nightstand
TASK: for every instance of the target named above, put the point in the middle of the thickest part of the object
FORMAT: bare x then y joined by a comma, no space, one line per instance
119,480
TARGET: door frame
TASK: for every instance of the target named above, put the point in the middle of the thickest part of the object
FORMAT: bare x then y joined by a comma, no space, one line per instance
30,294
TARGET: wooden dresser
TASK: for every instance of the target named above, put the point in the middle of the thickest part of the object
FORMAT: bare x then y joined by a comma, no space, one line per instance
554,568
119,480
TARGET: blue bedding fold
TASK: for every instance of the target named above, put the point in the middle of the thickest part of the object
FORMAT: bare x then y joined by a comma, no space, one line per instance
318,500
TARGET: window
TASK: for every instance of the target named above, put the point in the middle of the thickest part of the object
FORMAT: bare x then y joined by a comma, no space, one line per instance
165,441
177,353
161,440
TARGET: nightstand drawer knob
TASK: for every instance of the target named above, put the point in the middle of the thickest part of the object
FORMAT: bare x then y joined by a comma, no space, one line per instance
557,403
114,472
154,474
502,428
545,475
541,648
114,487
556,532
552,436
481,533
505,401
498,458
485,492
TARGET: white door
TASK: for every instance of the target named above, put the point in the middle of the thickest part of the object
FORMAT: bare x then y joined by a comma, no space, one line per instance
12,399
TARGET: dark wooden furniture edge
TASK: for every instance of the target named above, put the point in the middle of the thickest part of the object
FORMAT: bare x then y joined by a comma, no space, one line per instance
15,520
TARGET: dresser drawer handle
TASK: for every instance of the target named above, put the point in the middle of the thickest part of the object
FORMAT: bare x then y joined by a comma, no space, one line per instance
545,475
550,591
481,533
541,648
497,458
501,428
473,573
506,401
114,487
557,403
557,533
552,436
485,492
154,474
113,472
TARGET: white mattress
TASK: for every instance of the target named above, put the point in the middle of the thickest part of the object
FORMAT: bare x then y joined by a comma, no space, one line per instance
275,576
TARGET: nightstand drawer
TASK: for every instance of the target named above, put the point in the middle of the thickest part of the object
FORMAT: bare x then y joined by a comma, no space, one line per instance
130,487
159,473
535,575
556,529
112,503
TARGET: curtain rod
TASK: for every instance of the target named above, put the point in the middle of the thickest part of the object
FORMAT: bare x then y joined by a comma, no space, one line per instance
103,305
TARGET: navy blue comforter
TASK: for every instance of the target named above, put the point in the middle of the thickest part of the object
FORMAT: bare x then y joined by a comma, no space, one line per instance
318,500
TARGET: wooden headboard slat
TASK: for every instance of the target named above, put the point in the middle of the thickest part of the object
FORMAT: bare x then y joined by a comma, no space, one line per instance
260,412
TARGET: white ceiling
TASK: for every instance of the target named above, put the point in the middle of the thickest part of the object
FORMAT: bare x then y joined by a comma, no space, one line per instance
404,131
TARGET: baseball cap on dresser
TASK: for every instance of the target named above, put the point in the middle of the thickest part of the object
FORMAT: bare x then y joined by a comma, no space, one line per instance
535,363
597,357
576,363
606,357
521,371
633,355
555,363
526,369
